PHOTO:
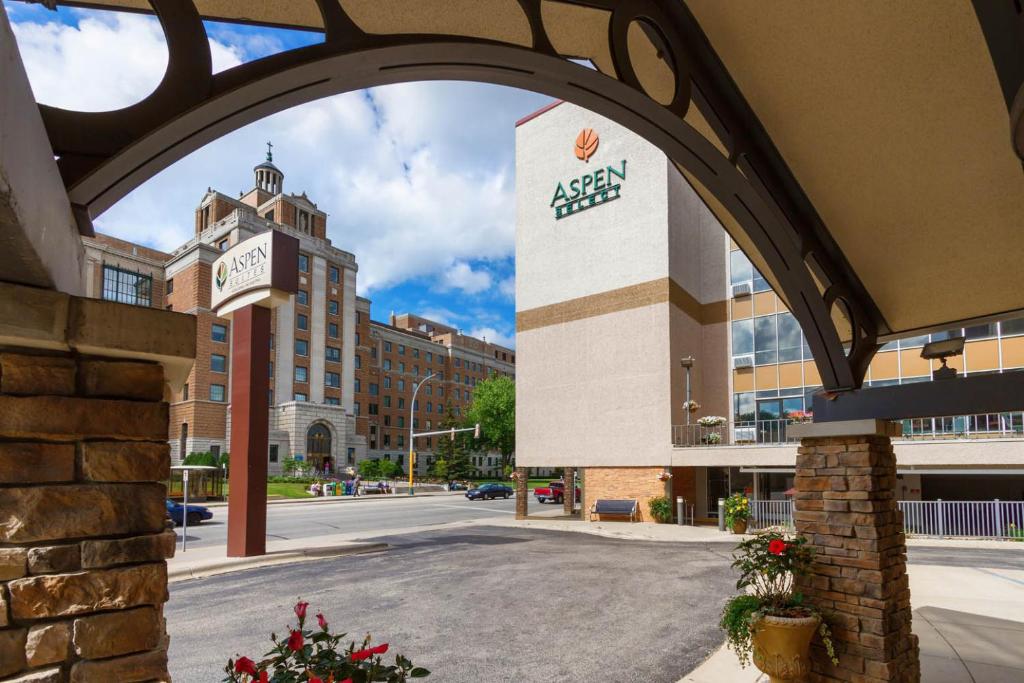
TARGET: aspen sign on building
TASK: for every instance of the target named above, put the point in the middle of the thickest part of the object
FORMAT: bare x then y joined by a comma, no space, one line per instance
260,271
590,190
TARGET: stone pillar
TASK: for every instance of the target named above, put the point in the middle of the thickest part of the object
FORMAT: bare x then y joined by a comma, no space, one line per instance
569,501
846,506
83,461
519,479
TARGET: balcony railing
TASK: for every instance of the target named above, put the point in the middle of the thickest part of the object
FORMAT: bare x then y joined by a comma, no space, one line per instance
774,432
989,519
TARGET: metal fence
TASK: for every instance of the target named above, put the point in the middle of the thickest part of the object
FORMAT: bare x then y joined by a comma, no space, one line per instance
988,519
774,431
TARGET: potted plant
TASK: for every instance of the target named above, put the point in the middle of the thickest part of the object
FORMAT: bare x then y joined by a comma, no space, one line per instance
711,421
769,622
318,656
737,512
661,509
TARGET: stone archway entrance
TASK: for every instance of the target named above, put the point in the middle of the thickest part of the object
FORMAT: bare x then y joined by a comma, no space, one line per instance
318,447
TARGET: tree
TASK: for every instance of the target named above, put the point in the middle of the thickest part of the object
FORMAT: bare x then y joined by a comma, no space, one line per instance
370,469
494,408
452,455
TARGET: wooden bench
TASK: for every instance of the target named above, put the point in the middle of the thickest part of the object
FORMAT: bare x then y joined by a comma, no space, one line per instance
615,508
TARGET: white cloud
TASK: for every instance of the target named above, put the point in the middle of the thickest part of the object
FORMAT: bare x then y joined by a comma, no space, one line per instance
462,276
416,178
493,336
508,287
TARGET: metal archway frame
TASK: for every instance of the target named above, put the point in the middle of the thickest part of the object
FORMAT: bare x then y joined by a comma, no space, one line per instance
104,155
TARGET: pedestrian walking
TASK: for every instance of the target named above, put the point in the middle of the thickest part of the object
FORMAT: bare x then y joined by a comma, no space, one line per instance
355,485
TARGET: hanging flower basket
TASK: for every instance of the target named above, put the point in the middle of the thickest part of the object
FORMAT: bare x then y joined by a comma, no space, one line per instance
691,406
711,421
665,476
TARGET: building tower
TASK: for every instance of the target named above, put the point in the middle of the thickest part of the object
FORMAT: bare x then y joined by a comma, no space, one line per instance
269,177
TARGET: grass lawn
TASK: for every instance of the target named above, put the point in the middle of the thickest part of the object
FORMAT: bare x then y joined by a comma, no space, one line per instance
283,490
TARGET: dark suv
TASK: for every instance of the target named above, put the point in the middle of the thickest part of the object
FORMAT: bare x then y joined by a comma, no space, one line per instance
485,491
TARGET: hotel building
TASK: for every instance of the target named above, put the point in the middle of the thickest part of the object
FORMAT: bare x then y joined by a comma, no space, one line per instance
340,383
622,271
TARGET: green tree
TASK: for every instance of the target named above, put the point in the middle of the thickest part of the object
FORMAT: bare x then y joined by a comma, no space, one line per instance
370,469
494,408
452,454
206,458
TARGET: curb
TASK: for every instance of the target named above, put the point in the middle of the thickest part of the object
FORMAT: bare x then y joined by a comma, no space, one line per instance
230,565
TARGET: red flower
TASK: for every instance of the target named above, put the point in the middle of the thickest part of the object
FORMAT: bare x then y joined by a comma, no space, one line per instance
314,679
777,547
244,665
360,655
347,680
300,609
379,649
320,620
264,677
295,641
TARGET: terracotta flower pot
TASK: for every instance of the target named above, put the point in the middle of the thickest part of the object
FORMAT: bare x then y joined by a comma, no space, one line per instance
739,526
782,646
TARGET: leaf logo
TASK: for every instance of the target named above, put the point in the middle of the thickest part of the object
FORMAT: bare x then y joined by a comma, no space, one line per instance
222,275
586,144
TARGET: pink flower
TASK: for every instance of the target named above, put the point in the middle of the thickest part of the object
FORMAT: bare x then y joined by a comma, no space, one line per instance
295,641
244,665
321,620
300,609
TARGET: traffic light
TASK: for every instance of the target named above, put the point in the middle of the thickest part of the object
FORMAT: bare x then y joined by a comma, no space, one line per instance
476,431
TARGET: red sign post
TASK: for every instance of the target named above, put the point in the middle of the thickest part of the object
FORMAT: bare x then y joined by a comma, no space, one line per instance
248,280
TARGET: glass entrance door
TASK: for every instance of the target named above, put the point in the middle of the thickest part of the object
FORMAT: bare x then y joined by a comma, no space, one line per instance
718,487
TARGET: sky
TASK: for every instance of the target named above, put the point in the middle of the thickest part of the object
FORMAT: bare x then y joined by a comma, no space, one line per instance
417,179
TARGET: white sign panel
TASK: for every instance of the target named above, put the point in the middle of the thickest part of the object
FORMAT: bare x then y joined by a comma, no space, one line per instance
244,274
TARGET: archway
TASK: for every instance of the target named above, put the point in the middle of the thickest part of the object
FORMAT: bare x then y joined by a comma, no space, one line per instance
318,447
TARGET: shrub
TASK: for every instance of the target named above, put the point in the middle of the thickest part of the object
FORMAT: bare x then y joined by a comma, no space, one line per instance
661,509
318,655
205,458
737,509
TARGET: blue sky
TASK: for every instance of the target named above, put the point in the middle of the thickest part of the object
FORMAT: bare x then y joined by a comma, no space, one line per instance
417,178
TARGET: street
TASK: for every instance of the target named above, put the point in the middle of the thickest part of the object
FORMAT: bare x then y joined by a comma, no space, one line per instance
481,604
301,520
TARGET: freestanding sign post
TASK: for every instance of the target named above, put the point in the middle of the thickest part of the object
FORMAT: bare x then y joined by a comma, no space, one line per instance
248,280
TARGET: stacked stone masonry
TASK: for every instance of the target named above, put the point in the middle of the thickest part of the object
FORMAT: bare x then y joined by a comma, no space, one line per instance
83,536
846,506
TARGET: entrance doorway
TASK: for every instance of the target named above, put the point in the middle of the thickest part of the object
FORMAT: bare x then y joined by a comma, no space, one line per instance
318,447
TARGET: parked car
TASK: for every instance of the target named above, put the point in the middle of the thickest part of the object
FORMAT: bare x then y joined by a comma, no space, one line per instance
555,491
196,513
492,491
457,486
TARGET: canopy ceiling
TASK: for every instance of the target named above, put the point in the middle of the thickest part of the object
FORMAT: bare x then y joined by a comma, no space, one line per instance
859,152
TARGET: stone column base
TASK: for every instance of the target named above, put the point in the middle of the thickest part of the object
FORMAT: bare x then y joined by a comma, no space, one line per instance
846,506
569,501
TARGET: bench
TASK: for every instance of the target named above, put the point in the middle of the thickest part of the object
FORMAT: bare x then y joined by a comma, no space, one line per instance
615,508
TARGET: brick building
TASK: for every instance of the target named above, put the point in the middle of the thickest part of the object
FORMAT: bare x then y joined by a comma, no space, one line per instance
341,383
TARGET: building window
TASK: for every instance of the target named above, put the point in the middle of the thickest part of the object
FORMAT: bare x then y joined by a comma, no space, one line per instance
401,385
219,333
357,339
387,382
332,379
270,369
401,349
127,287
430,357
374,409
301,374
217,392
302,322
301,347
333,354
415,353
300,397
218,363
374,389
332,401
355,408
303,263
401,421
184,392
332,330
387,420
401,367
359,361
332,307
273,453
387,363
401,402
170,286
387,401
223,245
302,297
334,274
430,406
357,386
458,364
401,441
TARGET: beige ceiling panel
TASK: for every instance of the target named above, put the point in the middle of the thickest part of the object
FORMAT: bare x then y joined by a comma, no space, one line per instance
576,31
650,62
501,20
891,118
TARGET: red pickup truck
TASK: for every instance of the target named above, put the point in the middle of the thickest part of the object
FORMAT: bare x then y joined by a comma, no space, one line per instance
555,491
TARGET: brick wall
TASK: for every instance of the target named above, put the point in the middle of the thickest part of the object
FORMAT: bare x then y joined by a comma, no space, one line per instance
83,540
640,483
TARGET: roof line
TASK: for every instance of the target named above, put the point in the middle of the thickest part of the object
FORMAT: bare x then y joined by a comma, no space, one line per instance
546,108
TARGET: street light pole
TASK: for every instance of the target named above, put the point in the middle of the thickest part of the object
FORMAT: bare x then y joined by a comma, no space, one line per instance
412,413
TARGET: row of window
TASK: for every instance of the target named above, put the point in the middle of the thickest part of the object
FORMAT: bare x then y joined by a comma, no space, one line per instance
126,287
333,272
302,299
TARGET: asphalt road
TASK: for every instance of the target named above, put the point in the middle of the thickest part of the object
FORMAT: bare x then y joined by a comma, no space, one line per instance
302,520
485,604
